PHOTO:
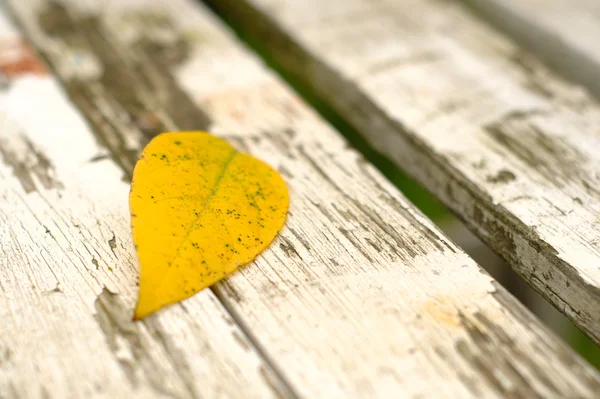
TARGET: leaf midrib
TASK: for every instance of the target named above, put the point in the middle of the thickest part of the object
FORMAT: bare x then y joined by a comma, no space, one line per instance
216,187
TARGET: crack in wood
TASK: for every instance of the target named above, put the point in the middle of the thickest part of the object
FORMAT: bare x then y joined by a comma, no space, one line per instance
28,163
288,248
132,350
273,376
112,243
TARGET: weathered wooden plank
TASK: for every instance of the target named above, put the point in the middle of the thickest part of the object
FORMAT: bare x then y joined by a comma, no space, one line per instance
360,296
507,145
563,33
68,270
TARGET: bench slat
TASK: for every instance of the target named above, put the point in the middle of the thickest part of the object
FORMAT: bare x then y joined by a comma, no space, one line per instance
361,295
564,33
504,143
68,269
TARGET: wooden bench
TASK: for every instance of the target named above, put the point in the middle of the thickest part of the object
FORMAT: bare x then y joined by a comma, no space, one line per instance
360,295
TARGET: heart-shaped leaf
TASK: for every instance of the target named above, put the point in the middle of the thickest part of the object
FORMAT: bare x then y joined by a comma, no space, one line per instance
199,210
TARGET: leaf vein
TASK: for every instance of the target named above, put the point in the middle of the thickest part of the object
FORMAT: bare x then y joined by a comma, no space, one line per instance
192,228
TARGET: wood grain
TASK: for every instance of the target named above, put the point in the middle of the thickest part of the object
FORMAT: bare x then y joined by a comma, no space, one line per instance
507,145
360,295
564,34
68,269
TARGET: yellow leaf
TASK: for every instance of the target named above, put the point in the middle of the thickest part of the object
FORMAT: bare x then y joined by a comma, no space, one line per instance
199,210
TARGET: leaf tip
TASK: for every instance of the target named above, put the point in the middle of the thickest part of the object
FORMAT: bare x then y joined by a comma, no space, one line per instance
143,309
137,316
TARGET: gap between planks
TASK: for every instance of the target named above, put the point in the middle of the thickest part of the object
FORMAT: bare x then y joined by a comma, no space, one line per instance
453,104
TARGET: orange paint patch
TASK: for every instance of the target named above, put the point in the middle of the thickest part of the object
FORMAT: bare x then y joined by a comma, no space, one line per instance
148,121
442,310
17,58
